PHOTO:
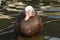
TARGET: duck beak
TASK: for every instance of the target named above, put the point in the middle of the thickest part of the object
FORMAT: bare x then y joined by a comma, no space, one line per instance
27,18
28,14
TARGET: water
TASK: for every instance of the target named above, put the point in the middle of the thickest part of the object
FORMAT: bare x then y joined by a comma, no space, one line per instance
54,38
52,9
53,16
51,38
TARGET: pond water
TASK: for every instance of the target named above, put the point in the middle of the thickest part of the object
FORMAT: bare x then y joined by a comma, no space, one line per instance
54,38
53,16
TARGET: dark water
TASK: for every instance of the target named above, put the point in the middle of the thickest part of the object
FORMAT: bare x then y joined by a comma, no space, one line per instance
53,16
52,9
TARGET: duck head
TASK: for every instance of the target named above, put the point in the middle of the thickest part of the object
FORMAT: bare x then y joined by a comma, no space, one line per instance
29,11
